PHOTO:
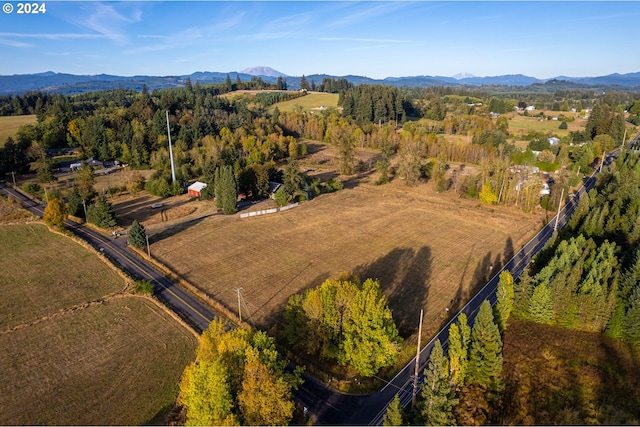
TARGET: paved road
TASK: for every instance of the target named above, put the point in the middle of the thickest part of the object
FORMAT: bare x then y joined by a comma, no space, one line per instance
326,405
187,306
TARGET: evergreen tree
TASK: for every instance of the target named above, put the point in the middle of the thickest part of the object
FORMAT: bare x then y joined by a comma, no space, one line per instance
137,235
292,178
541,305
225,190
304,85
505,298
632,319
457,356
74,202
101,213
393,416
439,401
485,351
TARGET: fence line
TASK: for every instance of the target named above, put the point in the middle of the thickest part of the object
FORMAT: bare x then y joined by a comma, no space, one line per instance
268,211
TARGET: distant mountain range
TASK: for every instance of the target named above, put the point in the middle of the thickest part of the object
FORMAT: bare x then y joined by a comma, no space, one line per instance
70,83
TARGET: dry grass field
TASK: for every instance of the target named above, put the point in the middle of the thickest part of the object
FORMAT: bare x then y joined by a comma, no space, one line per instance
9,126
75,350
428,250
43,273
116,363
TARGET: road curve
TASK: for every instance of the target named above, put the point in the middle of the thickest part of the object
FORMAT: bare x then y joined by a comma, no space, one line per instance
195,312
325,405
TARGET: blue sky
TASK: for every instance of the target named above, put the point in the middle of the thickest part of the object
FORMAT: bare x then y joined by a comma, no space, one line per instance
375,39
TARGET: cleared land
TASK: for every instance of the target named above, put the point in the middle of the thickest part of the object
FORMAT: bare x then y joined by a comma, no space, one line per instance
428,250
116,363
521,125
75,350
43,273
312,101
9,125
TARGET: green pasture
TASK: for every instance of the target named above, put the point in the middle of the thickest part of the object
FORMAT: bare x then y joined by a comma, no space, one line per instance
313,101
9,125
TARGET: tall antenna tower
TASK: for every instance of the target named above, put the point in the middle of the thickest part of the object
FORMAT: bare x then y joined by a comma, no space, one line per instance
173,167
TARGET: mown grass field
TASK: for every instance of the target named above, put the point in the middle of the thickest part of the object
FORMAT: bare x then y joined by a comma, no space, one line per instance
521,125
312,101
9,125
76,351
43,272
116,363
428,250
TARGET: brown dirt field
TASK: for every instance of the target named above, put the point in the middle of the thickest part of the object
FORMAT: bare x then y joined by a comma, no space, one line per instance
428,250
117,363
43,272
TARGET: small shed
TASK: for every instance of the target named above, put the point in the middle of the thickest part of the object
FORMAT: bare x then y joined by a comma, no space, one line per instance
196,188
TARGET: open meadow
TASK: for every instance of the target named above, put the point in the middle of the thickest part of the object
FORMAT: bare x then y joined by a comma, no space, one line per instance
78,349
312,101
428,250
9,125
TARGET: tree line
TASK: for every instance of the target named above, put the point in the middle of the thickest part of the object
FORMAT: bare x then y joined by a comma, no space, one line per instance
587,278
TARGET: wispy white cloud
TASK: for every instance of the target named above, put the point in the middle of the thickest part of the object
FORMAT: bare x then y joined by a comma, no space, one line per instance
298,20
109,20
365,40
53,36
188,36
14,43
363,15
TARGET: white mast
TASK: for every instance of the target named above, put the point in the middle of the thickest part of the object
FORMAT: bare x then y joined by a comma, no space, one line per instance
173,167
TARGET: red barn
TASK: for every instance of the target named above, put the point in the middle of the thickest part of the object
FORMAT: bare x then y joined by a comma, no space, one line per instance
196,188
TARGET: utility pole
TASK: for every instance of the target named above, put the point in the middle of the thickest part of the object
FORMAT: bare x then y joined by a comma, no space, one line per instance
239,309
415,373
602,162
555,227
146,236
173,167
84,205
13,175
621,145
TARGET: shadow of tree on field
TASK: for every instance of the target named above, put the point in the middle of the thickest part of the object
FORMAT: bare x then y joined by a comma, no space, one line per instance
483,272
403,274
509,250
177,228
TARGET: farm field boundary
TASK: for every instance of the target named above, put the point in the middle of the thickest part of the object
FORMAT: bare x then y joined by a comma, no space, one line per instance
73,338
